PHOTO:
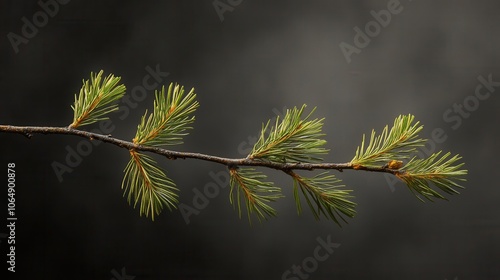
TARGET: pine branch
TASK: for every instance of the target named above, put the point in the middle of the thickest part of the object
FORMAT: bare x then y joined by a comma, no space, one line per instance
170,118
397,144
96,99
291,140
293,143
443,173
248,185
324,195
28,131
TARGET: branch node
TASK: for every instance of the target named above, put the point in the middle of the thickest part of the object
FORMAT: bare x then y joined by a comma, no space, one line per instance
357,166
232,166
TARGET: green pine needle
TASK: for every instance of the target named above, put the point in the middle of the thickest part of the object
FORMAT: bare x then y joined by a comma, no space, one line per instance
96,99
324,196
443,172
291,140
248,185
171,117
148,185
395,144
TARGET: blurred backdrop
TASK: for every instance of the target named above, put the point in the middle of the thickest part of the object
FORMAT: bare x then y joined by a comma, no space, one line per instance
361,63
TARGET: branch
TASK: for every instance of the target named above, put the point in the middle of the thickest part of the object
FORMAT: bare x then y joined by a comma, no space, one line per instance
169,154
293,143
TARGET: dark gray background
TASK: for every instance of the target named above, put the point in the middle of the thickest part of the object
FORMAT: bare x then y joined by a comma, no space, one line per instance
263,57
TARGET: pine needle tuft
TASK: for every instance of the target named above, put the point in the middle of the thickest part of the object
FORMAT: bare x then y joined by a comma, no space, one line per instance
324,195
96,99
146,184
247,184
395,144
443,172
171,117
291,140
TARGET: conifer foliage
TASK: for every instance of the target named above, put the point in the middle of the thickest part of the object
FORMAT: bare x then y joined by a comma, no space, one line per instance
144,181
291,143
96,99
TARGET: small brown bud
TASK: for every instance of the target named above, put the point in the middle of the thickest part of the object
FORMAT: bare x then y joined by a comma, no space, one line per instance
395,164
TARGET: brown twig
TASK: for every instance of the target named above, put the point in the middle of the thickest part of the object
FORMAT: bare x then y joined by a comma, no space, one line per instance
28,131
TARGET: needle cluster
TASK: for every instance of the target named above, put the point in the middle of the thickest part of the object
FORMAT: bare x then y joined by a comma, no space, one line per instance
248,185
144,181
96,99
292,139
442,171
398,143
